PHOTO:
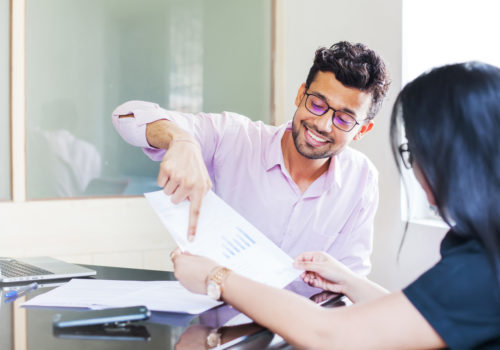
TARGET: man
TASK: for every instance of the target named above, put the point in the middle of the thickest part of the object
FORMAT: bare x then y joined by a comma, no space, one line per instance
298,183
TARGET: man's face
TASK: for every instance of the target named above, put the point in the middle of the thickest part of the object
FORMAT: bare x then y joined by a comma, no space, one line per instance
315,136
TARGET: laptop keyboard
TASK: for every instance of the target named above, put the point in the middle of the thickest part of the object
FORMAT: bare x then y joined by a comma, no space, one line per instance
13,268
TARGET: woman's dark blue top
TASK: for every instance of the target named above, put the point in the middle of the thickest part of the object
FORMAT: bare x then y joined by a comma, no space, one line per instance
460,296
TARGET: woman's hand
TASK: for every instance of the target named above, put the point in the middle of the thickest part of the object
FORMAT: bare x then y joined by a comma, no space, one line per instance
323,271
192,270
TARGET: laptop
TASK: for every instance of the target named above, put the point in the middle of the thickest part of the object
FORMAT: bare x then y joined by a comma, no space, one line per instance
38,269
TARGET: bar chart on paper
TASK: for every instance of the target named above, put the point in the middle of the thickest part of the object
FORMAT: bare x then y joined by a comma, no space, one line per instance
226,237
236,244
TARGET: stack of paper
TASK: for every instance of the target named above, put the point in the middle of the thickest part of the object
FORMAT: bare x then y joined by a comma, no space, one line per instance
98,294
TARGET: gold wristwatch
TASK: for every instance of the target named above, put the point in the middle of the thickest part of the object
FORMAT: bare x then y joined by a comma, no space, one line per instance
215,281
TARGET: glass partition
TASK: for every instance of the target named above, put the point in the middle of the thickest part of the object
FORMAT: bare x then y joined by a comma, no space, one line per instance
5,174
84,58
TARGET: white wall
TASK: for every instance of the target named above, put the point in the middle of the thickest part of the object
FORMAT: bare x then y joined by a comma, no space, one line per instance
314,23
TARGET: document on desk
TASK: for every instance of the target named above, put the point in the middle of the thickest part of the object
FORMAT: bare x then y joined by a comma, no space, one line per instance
226,237
168,296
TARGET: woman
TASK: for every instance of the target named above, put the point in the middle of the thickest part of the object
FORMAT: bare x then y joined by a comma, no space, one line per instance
450,116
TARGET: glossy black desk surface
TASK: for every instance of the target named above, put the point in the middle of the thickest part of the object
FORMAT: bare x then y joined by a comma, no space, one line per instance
31,328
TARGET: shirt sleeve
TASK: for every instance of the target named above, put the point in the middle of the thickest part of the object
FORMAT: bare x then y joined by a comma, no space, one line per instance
133,130
460,299
208,129
356,244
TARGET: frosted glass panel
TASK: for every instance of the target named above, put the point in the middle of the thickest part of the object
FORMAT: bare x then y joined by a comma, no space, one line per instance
85,57
4,100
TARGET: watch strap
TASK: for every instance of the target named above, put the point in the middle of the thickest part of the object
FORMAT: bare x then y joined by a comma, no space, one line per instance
218,276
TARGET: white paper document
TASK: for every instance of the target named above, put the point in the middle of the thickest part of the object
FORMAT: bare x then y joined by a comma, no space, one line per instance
167,296
226,237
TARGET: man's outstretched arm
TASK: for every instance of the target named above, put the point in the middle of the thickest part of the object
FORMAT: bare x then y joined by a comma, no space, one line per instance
182,173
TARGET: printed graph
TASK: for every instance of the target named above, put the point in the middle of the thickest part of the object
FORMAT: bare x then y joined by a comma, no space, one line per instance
237,243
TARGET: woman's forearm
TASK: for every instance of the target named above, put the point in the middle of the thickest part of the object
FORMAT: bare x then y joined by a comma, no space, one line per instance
281,311
358,289
390,322
284,312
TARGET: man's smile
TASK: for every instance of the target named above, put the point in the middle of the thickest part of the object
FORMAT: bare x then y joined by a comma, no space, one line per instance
314,139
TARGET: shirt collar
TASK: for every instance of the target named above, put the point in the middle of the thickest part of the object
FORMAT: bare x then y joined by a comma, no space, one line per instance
273,155
333,173
330,179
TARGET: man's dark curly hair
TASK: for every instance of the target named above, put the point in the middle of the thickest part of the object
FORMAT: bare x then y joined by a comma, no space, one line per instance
354,65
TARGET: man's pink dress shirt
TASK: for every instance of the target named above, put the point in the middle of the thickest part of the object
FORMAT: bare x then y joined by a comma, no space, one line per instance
246,166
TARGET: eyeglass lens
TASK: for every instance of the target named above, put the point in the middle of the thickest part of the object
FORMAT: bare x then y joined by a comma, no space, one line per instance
406,156
318,106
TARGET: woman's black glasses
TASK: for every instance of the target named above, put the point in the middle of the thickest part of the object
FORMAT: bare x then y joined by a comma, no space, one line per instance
406,156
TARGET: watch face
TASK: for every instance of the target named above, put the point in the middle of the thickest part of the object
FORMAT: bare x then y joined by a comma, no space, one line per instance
213,290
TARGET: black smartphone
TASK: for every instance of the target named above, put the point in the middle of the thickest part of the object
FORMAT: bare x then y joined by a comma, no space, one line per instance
102,332
95,317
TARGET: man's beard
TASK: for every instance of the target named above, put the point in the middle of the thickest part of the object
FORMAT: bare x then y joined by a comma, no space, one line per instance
304,150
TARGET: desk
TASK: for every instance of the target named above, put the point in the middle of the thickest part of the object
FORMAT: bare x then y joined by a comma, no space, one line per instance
31,328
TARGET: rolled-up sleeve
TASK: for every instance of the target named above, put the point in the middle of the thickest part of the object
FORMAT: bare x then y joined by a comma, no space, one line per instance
133,130
208,129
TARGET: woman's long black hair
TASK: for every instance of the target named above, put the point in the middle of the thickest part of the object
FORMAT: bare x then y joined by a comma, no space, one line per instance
451,119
